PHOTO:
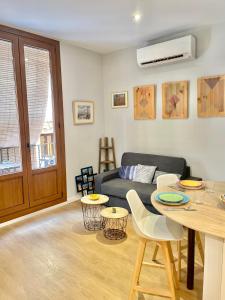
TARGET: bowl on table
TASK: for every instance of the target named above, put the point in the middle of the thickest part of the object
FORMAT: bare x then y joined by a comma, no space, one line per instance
94,197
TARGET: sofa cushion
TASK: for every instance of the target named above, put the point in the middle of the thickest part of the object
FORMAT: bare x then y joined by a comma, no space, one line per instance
127,172
169,164
144,174
119,187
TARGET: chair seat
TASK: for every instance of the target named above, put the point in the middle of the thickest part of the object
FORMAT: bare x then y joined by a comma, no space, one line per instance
160,228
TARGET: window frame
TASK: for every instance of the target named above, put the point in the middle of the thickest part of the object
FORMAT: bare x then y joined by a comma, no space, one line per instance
17,36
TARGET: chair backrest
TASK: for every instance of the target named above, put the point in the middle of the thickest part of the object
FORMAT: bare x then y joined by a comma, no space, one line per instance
166,179
138,210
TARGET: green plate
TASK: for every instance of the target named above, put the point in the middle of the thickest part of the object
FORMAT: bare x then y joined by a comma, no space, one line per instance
171,197
185,200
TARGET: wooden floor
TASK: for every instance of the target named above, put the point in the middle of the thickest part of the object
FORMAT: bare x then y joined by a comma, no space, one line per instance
52,256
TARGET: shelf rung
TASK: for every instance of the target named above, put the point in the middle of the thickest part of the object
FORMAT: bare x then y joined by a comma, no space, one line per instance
105,148
107,162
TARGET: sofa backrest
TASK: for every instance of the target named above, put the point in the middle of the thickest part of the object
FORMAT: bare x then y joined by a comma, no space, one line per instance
169,164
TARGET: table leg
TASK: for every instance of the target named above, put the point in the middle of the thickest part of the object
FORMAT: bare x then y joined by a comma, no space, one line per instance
191,259
214,269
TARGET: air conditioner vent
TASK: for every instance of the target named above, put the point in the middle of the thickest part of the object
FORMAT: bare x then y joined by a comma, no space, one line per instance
180,49
162,59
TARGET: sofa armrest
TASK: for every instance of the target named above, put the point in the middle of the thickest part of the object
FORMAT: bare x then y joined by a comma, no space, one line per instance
188,175
194,178
105,176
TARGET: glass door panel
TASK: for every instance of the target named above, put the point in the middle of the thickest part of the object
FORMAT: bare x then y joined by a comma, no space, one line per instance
10,146
30,106
40,107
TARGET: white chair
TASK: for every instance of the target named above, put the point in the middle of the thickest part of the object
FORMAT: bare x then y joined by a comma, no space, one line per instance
157,228
161,181
166,180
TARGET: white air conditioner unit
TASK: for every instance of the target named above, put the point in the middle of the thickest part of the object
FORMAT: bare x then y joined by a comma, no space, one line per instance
167,52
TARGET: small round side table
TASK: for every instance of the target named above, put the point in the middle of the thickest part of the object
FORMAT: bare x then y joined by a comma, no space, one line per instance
91,212
114,222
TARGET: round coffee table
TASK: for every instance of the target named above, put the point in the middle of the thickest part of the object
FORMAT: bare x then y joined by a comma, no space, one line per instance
91,212
114,222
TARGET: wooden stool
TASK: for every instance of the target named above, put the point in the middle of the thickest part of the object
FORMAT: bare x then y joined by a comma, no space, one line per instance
161,230
166,180
168,265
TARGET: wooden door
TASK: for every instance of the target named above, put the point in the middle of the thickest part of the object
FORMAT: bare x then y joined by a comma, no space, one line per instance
42,117
13,162
32,158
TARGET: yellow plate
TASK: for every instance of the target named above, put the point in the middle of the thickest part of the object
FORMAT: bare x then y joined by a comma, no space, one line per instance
191,183
93,196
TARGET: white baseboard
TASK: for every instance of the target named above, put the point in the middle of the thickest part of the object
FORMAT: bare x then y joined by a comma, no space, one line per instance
69,200
72,199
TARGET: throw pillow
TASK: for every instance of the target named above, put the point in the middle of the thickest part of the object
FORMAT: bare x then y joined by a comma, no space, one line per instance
158,173
127,172
144,173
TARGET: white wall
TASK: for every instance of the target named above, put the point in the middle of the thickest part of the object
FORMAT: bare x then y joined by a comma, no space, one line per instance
85,75
200,141
81,80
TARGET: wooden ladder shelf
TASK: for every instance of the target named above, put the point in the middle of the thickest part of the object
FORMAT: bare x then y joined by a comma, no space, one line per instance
104,160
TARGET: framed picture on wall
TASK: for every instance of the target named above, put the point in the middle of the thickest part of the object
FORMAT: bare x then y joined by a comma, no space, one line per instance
87,171
83,112
85,182
175,100
120,99
211,96
144,102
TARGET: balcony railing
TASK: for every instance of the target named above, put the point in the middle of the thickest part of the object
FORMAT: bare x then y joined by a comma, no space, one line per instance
42,156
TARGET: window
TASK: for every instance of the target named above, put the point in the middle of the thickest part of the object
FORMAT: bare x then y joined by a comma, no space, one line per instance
40,107
10,151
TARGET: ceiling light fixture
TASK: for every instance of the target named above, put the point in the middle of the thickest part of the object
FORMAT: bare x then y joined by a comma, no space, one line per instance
137,17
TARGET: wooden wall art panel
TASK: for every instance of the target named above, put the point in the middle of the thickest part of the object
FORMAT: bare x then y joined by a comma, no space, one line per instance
175,100
211,96
144,102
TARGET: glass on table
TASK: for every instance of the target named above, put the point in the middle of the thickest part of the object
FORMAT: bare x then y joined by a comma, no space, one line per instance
210,186
197,196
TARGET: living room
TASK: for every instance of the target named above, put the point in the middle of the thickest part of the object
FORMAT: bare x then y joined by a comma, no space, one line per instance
95,46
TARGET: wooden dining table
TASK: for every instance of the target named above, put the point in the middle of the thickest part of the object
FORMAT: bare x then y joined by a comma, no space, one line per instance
208,218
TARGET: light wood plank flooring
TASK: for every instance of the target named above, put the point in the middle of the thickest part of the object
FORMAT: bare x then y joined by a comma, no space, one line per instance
51,256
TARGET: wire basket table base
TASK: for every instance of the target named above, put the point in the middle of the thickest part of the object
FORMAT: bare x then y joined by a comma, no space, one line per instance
91,216
115,229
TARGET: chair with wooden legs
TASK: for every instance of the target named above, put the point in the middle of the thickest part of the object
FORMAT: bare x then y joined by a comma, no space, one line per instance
165,180
156,228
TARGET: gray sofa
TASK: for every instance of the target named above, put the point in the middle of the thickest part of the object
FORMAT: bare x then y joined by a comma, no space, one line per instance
109,183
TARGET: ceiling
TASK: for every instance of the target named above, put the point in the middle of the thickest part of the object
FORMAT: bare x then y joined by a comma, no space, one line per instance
105,26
